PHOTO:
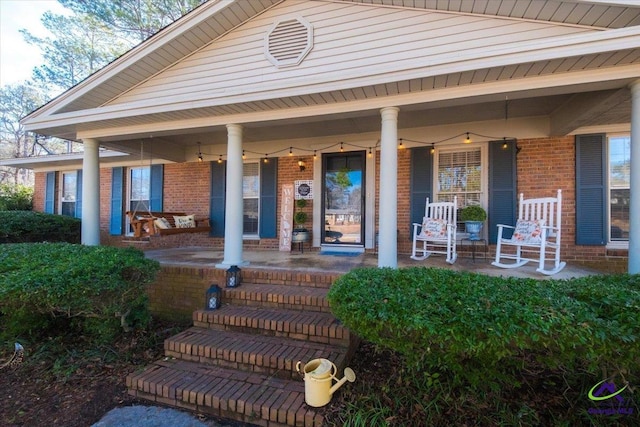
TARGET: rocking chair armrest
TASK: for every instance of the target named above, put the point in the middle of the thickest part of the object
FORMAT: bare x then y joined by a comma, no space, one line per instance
505,226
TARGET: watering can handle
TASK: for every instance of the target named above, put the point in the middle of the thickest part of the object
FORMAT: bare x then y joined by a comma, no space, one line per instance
298,369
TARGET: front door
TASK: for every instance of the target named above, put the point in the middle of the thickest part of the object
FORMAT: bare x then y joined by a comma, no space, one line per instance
343,198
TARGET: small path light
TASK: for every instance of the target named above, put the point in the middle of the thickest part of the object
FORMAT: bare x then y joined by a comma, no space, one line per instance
214,295
233,276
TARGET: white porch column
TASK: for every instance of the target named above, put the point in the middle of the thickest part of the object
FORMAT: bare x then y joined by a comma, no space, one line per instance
233,200
388,238
90,193
634,203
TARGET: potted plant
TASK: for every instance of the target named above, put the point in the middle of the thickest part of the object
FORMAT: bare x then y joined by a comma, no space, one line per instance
300,233
473,217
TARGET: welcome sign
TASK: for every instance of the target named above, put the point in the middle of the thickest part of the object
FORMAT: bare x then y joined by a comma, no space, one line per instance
286,218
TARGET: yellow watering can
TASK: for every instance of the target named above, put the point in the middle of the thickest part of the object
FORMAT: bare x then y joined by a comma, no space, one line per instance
318,375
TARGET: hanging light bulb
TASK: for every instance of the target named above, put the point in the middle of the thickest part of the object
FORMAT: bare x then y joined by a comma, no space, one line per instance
244,157
370,154
504,143
220,159
200,157
468,140
291,151
341,147
400,147
315,155
266,159
433,148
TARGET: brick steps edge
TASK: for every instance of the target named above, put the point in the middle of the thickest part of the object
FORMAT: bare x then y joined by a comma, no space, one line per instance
278,296
242,396
270,355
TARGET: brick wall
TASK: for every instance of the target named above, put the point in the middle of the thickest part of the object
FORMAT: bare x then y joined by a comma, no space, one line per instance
40,181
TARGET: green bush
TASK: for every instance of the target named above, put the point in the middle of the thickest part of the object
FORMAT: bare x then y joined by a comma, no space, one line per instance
483,329
28,226
99,290
16,198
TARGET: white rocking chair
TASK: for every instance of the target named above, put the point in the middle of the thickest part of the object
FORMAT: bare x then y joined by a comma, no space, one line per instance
437,231
537,230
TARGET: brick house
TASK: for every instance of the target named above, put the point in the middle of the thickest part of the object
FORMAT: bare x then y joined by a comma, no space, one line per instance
369,107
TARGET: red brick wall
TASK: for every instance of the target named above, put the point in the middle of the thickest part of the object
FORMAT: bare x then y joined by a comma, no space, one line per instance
40,186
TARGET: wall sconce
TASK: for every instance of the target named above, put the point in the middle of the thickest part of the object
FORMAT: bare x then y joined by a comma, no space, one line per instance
301,165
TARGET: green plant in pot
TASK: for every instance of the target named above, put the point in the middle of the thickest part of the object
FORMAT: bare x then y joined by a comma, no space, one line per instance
473,217
300,233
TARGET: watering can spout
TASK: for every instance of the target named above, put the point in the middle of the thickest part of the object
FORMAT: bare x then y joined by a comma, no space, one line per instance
349,375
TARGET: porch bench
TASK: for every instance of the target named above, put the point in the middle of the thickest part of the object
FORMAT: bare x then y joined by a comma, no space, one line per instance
144,224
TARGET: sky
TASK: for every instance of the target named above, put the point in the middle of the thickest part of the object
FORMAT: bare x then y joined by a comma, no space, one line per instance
17,58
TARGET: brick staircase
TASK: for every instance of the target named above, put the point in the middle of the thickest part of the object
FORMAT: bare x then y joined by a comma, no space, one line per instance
239,362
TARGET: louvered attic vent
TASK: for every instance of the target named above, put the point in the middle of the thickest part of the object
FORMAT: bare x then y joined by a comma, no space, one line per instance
288,42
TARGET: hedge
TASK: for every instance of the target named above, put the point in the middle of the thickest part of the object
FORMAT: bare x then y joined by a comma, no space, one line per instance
483,329
101,288
28,226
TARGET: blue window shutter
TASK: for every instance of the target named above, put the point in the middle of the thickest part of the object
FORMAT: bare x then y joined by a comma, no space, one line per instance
78,212
117,201
503,197
50,193
268,198
217,202
591,190
421,183
157,176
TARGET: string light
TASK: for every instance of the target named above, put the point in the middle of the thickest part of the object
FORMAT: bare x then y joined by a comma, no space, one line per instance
200,158
244,157
341,147
504,144
266,158
400,147
220,159
433,148
315,155
468,139
370,154
291,151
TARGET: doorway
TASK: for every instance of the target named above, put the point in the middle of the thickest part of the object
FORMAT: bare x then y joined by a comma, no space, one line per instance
343,198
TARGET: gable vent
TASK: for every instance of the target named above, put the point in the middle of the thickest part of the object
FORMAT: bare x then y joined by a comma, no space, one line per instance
288,42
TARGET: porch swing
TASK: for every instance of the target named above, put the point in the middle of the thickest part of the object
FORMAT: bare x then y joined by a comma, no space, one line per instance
152,223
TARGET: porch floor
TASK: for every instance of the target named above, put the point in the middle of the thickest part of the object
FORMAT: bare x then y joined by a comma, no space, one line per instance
314,261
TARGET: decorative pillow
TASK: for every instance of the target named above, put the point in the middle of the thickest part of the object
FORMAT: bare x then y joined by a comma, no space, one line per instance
528,231
187,221
162,223
434,228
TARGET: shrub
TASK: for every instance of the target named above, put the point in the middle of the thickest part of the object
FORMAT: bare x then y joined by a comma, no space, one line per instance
483,329
473,213
99,290
16,198
28,226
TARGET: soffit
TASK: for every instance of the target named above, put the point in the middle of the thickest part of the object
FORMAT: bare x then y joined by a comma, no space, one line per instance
602,13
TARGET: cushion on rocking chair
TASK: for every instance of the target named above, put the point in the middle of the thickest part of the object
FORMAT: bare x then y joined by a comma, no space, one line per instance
434,228
528,231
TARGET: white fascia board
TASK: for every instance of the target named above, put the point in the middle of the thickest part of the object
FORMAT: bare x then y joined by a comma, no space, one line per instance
134,55
44,161
548,82
560,47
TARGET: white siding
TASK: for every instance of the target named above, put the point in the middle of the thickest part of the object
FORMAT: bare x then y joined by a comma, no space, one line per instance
351,40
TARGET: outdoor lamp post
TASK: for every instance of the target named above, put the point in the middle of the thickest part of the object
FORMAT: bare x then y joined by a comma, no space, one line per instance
233,276
213,297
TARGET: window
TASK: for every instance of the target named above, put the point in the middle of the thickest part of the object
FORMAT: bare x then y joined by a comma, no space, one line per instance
619,184
251,199
459,173
140,189
69,191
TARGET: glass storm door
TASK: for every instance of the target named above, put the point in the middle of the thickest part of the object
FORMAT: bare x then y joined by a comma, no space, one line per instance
343,198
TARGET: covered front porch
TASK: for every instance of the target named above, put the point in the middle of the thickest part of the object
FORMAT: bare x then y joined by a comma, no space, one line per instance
316,262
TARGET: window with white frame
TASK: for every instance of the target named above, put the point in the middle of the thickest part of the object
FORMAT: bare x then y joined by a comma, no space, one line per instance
139,189
251,199
619,186
69,190
459,173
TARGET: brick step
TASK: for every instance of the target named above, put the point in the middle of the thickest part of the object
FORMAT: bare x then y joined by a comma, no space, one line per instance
278,296
226,393
250,352
306,326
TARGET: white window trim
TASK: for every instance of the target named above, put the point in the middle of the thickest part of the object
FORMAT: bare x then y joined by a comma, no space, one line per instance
256,235
484,176
61,188
613,244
